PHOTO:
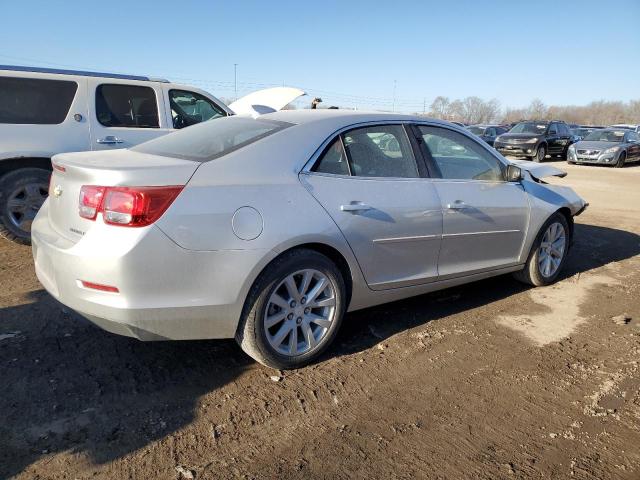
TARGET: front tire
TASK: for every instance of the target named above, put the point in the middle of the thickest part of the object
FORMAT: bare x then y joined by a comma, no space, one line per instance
22,193
548,253
621,160
541,152
293,311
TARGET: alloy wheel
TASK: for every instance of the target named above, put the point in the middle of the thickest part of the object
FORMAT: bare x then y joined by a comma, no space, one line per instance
300,312
552,250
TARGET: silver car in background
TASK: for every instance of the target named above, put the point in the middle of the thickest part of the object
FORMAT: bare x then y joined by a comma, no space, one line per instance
270,229
610,146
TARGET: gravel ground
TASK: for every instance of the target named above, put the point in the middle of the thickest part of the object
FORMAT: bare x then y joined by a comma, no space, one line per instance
489,380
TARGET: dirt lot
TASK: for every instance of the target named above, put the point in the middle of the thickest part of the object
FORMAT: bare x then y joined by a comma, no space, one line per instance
489,380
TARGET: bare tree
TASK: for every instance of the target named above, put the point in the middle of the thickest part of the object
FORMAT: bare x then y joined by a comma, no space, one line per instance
439,108
538,110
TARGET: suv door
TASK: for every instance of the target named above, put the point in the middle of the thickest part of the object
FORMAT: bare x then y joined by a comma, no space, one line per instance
189,108
125,114
554,140
485,218
368,180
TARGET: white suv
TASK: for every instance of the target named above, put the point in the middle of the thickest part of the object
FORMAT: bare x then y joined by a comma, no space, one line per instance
46,111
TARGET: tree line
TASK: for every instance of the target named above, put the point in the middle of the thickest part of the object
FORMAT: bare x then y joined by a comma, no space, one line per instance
473,110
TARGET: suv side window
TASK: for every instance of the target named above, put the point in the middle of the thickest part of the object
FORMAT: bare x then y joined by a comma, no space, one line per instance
553,129
189,108
633,137
380,151
563,130
35,101
457,157
491,132
131,106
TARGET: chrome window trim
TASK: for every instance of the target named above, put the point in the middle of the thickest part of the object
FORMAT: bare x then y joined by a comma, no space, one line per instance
306,169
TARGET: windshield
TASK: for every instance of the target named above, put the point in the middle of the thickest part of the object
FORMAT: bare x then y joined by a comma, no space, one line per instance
606,136
211,139
476,130
529,127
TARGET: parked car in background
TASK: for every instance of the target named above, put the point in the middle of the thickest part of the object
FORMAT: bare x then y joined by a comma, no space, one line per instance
535,140
627,126
610,146
582,131
47,111
488,133
269,229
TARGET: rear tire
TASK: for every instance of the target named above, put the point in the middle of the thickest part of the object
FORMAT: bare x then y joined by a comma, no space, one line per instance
22,193
541,153
535,271
621,160
294,340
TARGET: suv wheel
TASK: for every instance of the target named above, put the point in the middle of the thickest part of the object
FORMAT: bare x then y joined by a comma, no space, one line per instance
541,152
293,311
22,193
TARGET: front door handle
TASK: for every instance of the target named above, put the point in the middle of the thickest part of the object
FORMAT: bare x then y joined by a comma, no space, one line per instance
457,205
109,140
354,207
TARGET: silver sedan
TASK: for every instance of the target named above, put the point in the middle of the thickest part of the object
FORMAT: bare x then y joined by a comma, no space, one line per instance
270,229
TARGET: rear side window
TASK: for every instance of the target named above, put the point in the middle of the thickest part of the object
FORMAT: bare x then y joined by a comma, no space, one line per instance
35,101
333,160
209,140
130,106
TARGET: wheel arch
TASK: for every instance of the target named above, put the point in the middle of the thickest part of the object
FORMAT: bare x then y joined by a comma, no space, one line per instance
566,213
16,163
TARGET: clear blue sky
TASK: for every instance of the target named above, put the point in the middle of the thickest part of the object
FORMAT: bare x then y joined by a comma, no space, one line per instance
348,52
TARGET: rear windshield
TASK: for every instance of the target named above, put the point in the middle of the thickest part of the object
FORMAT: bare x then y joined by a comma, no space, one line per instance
35,101
606,136
212,139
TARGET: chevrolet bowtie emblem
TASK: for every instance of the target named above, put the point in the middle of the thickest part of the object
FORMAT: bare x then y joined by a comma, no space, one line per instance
57,191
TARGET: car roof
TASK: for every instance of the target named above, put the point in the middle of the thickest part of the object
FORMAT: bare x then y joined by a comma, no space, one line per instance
341,118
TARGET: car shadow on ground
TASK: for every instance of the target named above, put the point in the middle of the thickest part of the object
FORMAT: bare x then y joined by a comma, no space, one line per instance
69,386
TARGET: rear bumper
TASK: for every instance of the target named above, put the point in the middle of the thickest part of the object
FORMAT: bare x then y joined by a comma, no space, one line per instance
165,291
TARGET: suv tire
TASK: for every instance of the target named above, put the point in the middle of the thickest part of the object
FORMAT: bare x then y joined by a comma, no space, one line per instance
541,153
22,193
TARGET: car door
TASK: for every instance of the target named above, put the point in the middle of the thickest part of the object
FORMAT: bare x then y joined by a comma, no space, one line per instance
633,150
490,135
484,217
125,114
554,141
390,215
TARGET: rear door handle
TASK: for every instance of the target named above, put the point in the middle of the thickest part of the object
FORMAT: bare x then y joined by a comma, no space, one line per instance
457,205
355,207
109,140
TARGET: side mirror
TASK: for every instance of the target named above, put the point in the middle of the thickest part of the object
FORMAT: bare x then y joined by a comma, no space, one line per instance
514,173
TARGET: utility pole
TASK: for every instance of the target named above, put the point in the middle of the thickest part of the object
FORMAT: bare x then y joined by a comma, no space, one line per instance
235,80
394,95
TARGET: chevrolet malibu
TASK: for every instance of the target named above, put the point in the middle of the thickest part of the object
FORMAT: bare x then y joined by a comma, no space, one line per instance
269,229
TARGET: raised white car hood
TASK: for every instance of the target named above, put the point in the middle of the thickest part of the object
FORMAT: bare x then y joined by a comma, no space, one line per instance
266,101
539,170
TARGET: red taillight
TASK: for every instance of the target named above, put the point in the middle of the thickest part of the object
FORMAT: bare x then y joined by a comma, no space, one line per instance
127,206
90,201
99,286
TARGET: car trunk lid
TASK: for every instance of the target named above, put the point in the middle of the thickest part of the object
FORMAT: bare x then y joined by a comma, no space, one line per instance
122,168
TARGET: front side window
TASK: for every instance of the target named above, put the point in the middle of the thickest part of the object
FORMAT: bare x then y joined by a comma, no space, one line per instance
131,106
380,151
457,157
210,140
189,108
633,137
553,129
35,101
